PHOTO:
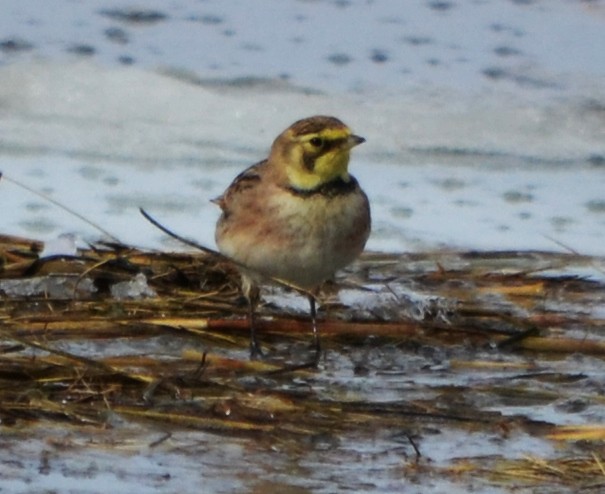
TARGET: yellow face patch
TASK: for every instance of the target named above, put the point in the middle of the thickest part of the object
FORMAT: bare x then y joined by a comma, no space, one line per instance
321,157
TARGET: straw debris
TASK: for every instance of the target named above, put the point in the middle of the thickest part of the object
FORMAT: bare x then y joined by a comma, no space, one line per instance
171,350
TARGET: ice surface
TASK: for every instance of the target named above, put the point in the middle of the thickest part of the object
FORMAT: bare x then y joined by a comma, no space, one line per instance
63,245
134,289
54,287
167,146
484,121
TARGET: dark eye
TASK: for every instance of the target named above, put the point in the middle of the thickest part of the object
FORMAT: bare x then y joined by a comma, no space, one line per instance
317,142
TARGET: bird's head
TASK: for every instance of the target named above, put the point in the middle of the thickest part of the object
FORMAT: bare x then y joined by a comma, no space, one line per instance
314,151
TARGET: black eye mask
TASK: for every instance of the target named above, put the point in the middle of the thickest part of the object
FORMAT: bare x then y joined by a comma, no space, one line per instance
321,147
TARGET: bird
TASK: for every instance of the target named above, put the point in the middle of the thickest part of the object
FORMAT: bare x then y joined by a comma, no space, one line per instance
297,216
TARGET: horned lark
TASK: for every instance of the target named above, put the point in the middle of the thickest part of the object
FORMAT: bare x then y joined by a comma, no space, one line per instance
297,216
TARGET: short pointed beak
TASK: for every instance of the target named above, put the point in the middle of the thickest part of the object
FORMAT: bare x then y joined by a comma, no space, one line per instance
355,140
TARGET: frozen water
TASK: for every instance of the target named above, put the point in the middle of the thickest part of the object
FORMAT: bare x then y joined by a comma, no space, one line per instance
134,289
63,245
484,120
55,287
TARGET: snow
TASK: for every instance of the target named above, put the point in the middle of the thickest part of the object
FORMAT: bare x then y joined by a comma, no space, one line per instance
484,120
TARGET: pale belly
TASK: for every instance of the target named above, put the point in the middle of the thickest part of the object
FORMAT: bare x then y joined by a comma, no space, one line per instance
305,242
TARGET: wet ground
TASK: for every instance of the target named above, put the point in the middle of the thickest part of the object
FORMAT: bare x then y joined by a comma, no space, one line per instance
441,372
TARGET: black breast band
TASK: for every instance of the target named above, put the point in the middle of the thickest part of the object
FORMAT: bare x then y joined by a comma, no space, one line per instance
334,188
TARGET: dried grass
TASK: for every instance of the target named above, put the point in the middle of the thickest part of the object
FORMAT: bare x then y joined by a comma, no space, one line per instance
511,310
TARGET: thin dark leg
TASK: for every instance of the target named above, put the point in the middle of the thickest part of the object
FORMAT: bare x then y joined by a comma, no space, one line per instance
252,294
316,342
255,349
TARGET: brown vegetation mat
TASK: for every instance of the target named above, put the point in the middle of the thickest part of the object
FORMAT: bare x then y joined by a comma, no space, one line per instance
414,346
